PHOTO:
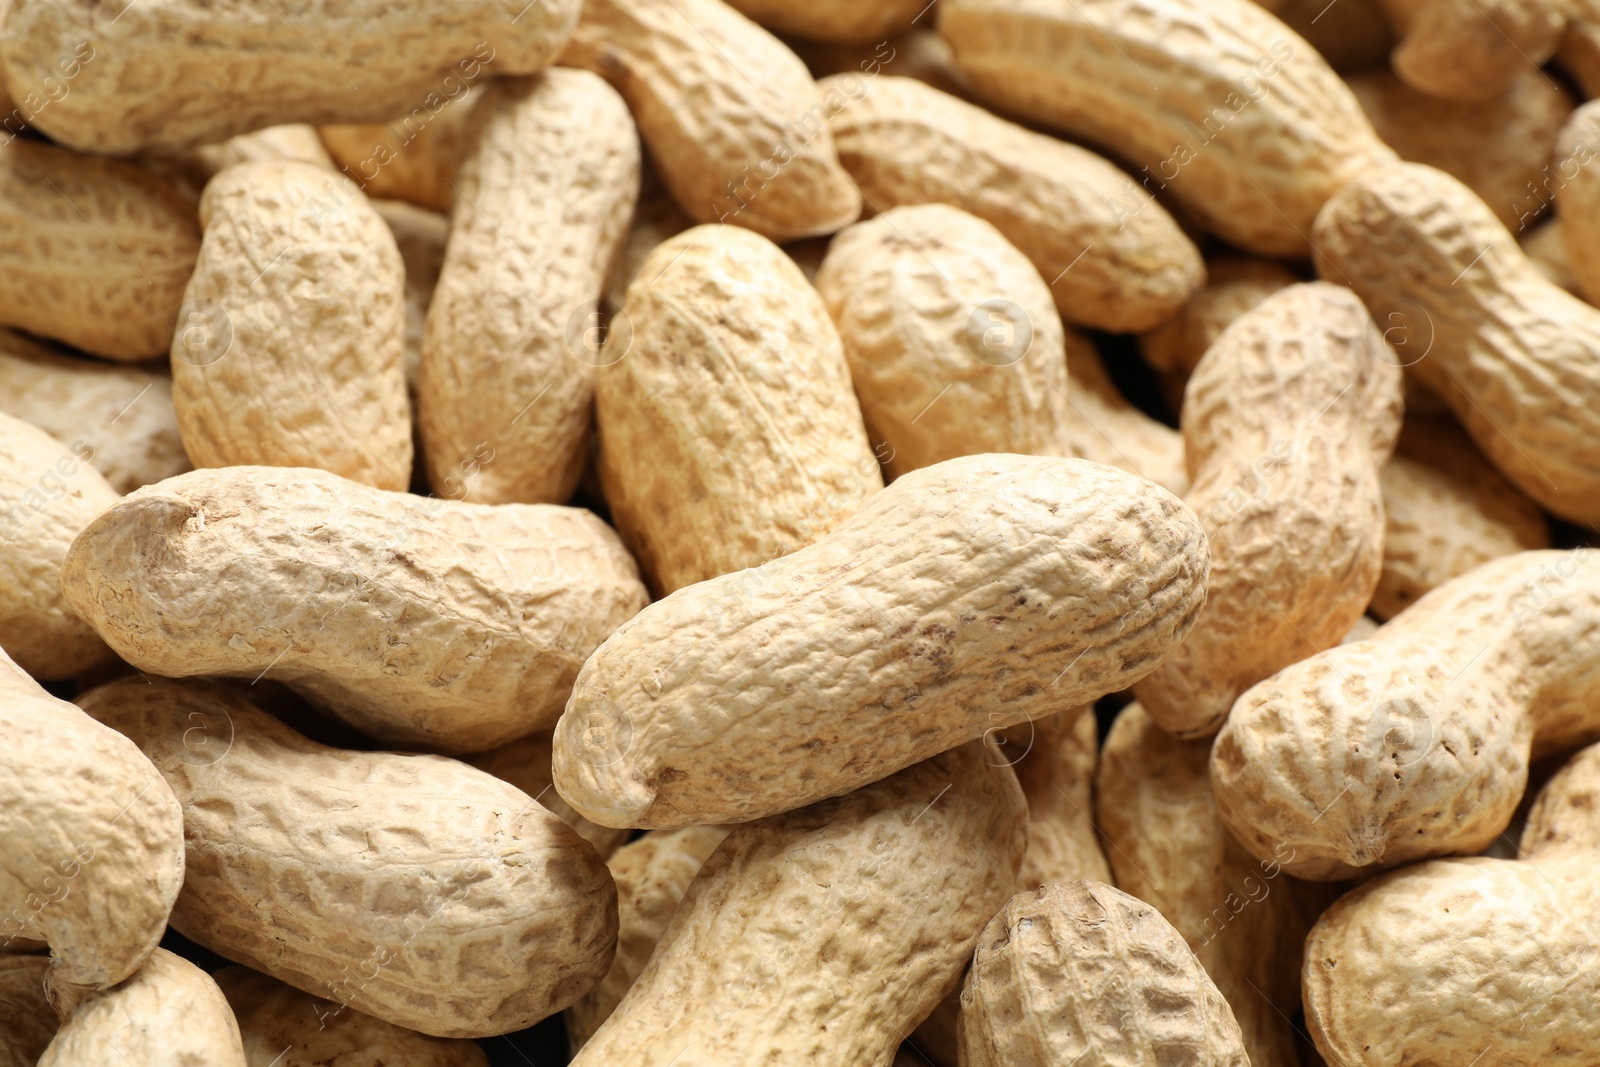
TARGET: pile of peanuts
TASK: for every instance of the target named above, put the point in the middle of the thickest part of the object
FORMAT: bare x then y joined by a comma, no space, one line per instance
662,519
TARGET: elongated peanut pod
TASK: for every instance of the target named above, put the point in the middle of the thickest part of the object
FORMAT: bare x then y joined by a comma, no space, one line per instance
1104,427
507,384
420,622
968,596
415,156
289,352
438,898
1220,105
1055,759
421,237
186,72
863,909
1472,50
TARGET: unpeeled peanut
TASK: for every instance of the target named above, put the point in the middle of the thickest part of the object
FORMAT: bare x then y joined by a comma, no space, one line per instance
1055,767
1576,168
1472,50
414,157
525,763
1104,427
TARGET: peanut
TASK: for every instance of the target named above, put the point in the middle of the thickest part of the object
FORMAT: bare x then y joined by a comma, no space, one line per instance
1078,972
1492,958
525,763
290,351
1445,512
199,165
1056,772
1472,50
1579,195
1215,100
181,73
168,1014
968,596
1286,422
453,626
93,252
1112,256
656,218
729,433
412,157
1102,426
421,237
818,935
1416,743
732,118
27,1022
283,1027
506,387
438,898
840,21
1434,264
94,854
48,494
953,341
921,54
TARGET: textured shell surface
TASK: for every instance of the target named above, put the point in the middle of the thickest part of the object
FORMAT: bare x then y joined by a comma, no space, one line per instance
1113,257
413,888
729,430
1220,105
525,763
172,74
1054,759
823,935
1472,50
421,237
1234,285
291,351
1104,427
419,621
412,157
968,596
506,388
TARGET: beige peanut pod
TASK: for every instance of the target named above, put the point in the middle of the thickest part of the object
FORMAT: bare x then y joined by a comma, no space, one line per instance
1578,194
652,875
412,157
1492,958
1445,511
506,389
94,838
822,935
921,54
93,252
1433,264
1103,426
1416,742
1472,50
1498,148
421,237
953,341
840,21
415,889
1113,257
48,493
178,73
1079,972
169,1014
420,622
968,596
734,123
1286,422
283,1027
525,763
1220,105
27,1022
729,432
1244,918
289,352
656,218
122,415
1055,759
197,166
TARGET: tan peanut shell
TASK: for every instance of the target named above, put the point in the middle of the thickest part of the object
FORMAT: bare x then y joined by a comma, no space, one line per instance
1079,972
123,414
1054,759
1286,423
414,157
1219,105
415,889
840,21
656,218
1113,257
1498,147
1445,511
199,165
1102,426
1492,958
48,493
93,252
968,596
1245,919
953,341
732,118
525,763
1234,285
652,875
1576,162
421,622
1351,35
729,432
1416,742
168,1014
1434,265
27,1022
1546,249
180,73
283,1027
94,837
546,190
421,237
822,935
921,54
1472,50
289,351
